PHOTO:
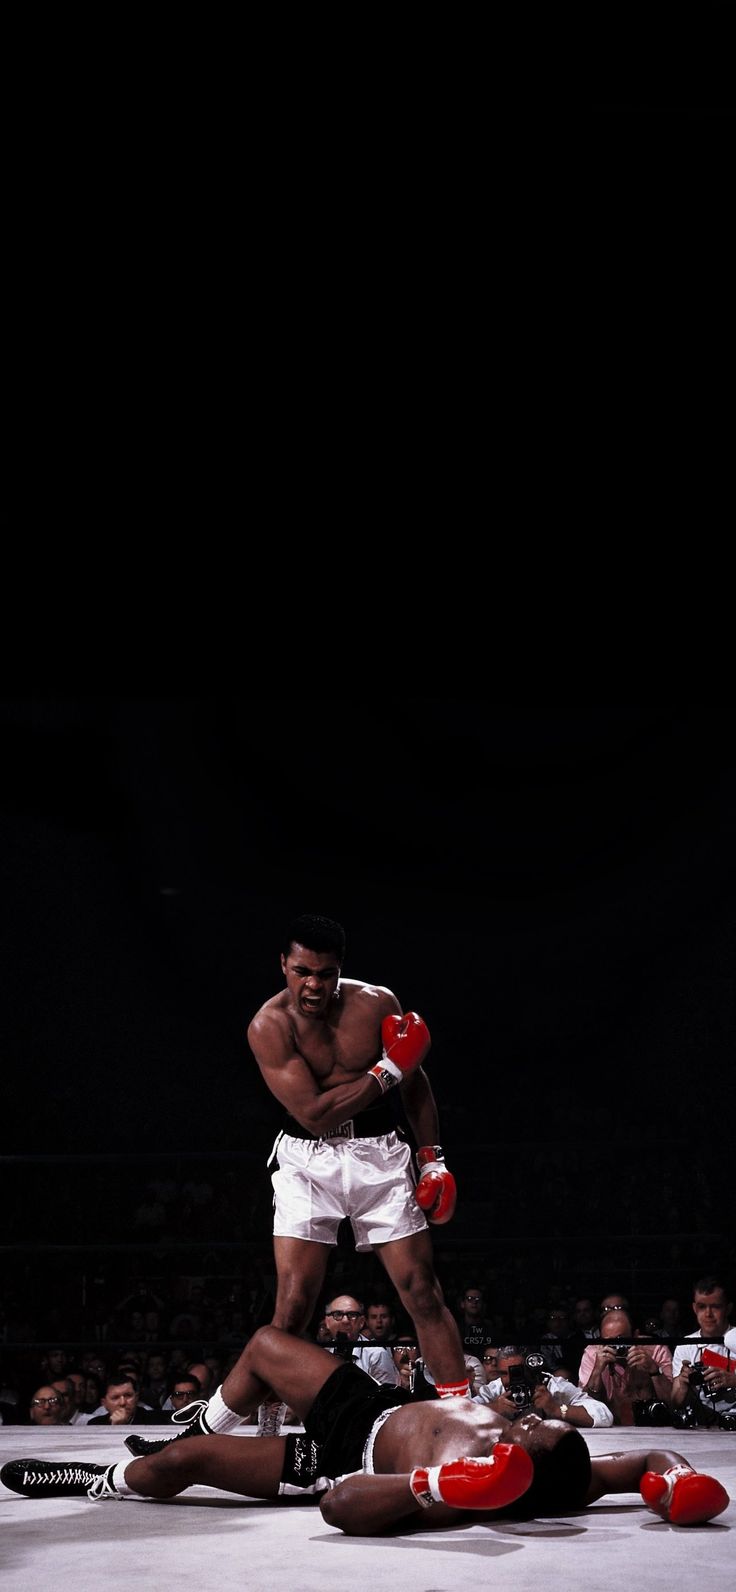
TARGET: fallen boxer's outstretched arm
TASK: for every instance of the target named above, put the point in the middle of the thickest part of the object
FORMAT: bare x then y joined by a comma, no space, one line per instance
668,1485
366,1506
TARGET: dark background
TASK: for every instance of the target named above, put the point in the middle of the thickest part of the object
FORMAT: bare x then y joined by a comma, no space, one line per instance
553,890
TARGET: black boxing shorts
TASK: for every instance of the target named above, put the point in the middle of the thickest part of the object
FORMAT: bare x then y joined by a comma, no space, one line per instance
343,1414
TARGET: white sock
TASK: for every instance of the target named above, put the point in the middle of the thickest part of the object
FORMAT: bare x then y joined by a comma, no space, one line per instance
119,1482
219,1416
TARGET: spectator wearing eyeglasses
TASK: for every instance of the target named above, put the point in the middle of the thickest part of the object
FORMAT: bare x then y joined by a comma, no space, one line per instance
345,1316
474,1329
404,1355
183,1390
411,1369
489,1361
46,1407
613,1301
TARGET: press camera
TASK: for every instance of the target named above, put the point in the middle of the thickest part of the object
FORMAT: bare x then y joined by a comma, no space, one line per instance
523,1379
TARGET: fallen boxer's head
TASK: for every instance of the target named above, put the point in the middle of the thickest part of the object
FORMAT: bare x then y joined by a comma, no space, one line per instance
561,1465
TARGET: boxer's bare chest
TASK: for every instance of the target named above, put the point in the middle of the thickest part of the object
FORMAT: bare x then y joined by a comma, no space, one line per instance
342,1045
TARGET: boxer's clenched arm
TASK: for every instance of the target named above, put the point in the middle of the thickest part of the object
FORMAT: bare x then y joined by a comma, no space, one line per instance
292,1082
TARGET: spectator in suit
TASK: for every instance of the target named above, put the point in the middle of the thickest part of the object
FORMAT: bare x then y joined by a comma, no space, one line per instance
121,1406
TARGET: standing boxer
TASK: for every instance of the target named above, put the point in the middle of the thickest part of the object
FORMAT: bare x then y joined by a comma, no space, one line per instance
333,1051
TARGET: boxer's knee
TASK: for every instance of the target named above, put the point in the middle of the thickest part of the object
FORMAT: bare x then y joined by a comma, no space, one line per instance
163,1475
293,1308
264,1343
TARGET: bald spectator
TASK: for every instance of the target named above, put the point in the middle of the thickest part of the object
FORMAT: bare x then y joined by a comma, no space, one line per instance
629,1376
46,1407
345,1318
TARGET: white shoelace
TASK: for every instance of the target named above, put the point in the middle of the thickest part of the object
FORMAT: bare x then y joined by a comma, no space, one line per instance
59,1476
102,1486
189,1413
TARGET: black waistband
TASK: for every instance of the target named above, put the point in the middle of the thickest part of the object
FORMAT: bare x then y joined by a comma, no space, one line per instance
366,1125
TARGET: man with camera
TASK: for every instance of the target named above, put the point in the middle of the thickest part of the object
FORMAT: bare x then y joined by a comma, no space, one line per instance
524,1383
633,1377
704,1386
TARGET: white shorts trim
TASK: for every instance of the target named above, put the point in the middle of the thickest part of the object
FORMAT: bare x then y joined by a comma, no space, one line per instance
370,1441
319,1182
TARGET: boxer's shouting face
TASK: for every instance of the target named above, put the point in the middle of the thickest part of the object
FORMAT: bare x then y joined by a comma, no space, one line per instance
311,978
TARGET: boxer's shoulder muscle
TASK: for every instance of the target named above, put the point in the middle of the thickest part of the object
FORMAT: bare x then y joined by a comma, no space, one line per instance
357,995
271,1027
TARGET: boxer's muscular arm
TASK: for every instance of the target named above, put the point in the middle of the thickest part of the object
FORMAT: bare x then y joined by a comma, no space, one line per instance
420,1107
436,1191
292,1082
366,1506
615,1473
666,1482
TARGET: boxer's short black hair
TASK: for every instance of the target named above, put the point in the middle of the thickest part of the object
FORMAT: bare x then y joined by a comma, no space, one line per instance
317,934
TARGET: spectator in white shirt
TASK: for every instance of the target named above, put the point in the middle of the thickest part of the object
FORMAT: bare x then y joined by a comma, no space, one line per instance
345,1320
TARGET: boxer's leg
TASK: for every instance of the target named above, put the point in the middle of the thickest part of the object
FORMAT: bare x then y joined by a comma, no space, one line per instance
410,1265
235,1464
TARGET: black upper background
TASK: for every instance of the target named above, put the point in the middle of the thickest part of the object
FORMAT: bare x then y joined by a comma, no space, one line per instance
553,890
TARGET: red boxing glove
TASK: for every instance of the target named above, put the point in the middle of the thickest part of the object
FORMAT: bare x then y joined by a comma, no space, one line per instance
436,1191
405,1044
683,1496
488,1483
